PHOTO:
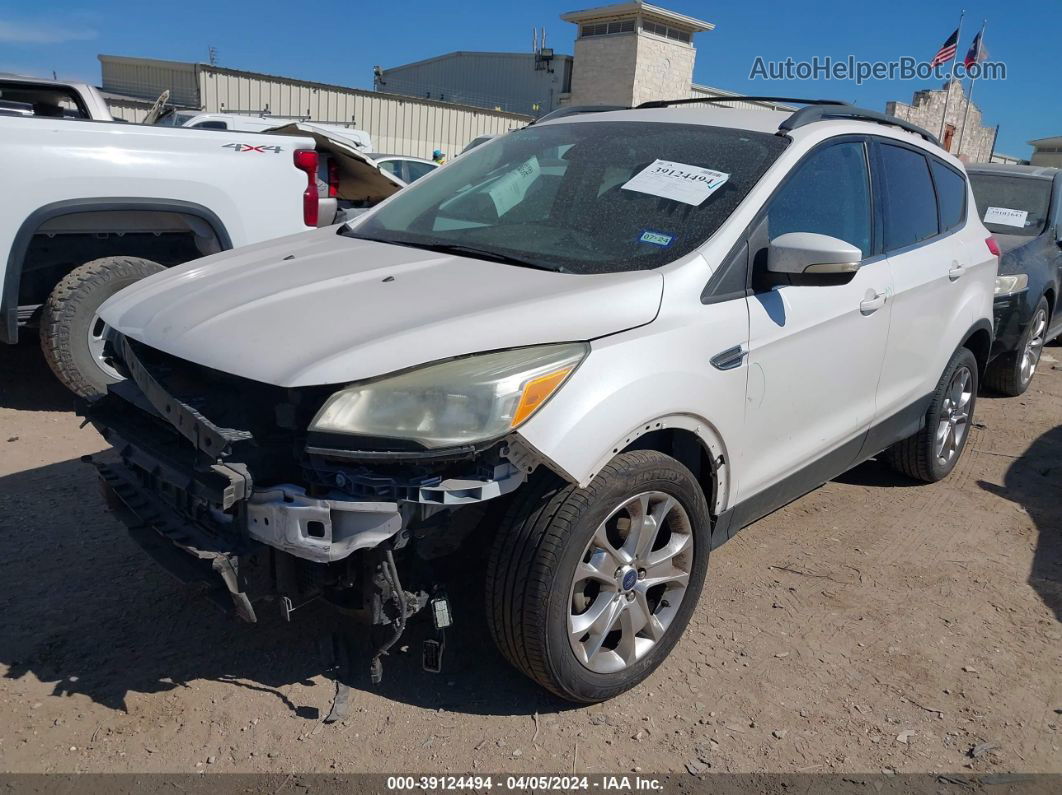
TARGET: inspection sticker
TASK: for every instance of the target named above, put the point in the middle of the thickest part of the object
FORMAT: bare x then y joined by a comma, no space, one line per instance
678,181
656,238
1006,217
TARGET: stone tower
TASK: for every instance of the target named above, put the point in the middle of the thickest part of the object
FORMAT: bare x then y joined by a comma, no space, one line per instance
632,52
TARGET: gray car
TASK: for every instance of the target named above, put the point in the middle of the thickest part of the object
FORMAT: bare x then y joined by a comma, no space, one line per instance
1022,207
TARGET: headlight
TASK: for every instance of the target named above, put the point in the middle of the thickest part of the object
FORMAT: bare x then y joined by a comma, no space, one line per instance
1015,283
461,401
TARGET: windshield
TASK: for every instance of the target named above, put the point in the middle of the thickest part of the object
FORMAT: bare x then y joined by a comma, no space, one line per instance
1012,205
591,197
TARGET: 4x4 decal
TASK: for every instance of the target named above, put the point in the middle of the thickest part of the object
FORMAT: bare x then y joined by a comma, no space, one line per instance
251,148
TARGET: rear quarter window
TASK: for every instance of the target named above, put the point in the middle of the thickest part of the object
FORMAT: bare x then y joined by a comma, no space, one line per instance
910,203
951,196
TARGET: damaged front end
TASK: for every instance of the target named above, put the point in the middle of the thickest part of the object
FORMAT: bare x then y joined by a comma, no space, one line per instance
218,479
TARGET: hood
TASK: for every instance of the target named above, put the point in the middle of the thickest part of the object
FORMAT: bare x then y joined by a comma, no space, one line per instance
321,308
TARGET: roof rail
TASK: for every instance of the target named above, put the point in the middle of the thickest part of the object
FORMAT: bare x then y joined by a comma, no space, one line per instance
573,110
812,114
663,103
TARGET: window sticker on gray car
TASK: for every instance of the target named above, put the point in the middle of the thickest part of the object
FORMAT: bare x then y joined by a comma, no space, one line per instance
678,181
1006,217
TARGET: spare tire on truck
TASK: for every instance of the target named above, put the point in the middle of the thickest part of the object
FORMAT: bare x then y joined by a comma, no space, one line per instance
71,330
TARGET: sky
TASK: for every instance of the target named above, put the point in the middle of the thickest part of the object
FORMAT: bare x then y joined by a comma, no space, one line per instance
341,42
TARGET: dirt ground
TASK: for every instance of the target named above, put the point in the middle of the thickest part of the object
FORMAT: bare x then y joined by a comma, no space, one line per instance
875,624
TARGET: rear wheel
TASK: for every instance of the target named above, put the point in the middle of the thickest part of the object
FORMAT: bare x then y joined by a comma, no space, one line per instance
933,452
1012,373
71,329
588,590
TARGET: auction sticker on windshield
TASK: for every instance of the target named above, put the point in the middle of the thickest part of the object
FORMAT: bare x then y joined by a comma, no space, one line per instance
1004,216
678,181
510,189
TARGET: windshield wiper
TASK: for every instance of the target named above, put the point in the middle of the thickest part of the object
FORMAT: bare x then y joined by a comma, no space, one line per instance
481,253
468,251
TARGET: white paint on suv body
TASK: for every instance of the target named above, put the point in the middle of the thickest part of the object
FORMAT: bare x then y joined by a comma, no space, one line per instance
806,389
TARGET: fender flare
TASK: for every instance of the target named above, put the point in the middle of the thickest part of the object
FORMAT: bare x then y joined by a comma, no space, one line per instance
707,435
21,242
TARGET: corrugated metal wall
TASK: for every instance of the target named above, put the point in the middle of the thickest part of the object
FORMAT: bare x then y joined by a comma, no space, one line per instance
132,112
141,77
708,91
504,80
398,125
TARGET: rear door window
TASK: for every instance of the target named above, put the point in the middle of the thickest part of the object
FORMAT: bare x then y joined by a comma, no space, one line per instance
951,195
909,199
416,169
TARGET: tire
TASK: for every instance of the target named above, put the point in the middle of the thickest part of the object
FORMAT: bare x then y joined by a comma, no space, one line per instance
70,329
532,592
1012,373
917,456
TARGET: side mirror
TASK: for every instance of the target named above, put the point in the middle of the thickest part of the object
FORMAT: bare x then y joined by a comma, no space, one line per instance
811,253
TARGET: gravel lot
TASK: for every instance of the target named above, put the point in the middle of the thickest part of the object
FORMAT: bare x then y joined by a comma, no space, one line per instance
875,624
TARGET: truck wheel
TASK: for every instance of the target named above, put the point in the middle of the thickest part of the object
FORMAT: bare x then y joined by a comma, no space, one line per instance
1012,373
71,331
933,452
588,590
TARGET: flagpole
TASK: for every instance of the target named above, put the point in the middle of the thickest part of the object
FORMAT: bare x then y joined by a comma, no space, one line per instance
973,80
951,74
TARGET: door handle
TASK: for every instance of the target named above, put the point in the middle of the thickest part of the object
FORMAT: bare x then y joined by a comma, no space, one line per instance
729,359
956,271
868,306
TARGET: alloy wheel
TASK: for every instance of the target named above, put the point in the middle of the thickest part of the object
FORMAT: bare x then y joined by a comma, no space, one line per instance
954,415
1030,356
630,582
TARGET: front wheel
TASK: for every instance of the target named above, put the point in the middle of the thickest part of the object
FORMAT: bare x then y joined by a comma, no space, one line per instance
588,590
933,452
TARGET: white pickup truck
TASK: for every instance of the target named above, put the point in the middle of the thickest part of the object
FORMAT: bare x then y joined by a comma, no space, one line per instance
91,206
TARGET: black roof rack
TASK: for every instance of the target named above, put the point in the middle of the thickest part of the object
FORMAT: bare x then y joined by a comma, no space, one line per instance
815,113
573,110
814,110
664,103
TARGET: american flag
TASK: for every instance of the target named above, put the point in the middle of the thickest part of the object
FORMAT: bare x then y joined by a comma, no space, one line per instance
946,52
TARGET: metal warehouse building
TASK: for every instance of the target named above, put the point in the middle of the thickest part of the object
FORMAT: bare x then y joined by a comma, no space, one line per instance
625,54
518,82
398,124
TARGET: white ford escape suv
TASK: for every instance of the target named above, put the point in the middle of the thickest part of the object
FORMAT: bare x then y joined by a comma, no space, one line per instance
592,349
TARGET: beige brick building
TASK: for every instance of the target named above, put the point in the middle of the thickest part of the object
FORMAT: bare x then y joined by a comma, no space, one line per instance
927,111
632,52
